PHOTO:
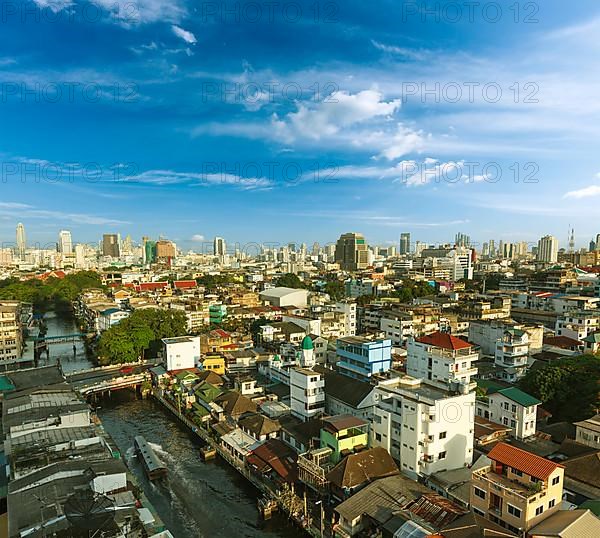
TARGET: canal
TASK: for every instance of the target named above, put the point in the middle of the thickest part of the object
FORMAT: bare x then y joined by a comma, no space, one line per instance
197,499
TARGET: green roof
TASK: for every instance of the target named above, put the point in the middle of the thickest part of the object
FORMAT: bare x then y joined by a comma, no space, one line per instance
489,385
594,506
518,396
307,343
6,384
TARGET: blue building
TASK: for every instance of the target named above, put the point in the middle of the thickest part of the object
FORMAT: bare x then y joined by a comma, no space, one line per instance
360,357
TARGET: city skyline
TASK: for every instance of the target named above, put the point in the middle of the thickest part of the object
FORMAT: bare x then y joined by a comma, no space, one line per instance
382,143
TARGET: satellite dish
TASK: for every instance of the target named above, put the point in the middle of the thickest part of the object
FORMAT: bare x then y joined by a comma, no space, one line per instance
87,511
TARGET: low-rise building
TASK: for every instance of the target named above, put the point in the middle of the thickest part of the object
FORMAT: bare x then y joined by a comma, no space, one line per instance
361,358
518,490
512,408
181,352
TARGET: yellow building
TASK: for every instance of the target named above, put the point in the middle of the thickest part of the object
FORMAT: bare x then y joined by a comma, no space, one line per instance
518,490
344,434
213,362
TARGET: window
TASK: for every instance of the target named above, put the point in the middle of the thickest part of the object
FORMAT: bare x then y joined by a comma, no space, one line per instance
442,456
443,435
505,421
377,437
479,492
506,405
513,408
552,503
539,510
478,511
555,480
517,472
513,510
513,424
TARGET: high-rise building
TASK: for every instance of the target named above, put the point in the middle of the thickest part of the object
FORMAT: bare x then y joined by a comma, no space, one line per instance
547,249
148,250
462,240
219,246
111,245
165,249
492,248
598,242
65,243
351,252
21,241
404,243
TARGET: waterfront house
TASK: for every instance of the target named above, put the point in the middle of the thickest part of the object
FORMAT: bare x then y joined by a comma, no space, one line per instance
235,404
344,434
259,426
238,445
274,461
357,470
376,504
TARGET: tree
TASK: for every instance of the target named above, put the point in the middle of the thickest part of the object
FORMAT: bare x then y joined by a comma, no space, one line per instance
290,280
140,335
569,387
335,289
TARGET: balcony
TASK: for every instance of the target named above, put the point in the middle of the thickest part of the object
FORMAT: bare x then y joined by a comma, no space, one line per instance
508,488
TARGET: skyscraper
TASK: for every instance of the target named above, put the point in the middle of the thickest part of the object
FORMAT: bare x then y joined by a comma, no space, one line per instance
21,241
351,252
404,243
65,243
462,240
111,245
598,242
219,246
547,249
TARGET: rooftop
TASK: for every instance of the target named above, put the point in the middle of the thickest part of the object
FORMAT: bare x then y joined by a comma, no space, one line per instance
524,461
445,341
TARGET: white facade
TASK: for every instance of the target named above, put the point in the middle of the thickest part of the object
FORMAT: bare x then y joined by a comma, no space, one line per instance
307,393
547,249
512,354
588,432
426,429
65,243
502,409
182,352
577,325
285,297
444,368
349,309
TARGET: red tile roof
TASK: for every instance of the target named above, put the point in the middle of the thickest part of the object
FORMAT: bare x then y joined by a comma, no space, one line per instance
524,461
444,340
180,284
145,286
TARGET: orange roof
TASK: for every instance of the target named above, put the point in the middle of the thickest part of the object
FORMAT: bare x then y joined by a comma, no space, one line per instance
524,461
444,340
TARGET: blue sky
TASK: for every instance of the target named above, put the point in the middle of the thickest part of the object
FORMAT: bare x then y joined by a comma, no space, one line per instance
280,122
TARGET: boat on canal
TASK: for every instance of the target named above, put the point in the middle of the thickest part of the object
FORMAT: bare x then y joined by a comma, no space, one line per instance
152,465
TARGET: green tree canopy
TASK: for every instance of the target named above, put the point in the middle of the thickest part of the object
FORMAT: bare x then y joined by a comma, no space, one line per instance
290,280
140,335
569,387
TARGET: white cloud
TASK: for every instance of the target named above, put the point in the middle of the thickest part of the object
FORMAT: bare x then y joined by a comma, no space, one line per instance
187,36
53,5
586,192
411,54
328,117
197,238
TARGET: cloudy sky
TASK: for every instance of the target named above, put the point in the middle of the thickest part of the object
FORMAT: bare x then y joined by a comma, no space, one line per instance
297,121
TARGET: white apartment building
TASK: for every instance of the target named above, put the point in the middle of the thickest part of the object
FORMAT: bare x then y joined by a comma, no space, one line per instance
349,309
307,393
400,326
588,432
547,249
11,337
426,429
578,325
444,361
181,352
512,354
510,407
486,333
